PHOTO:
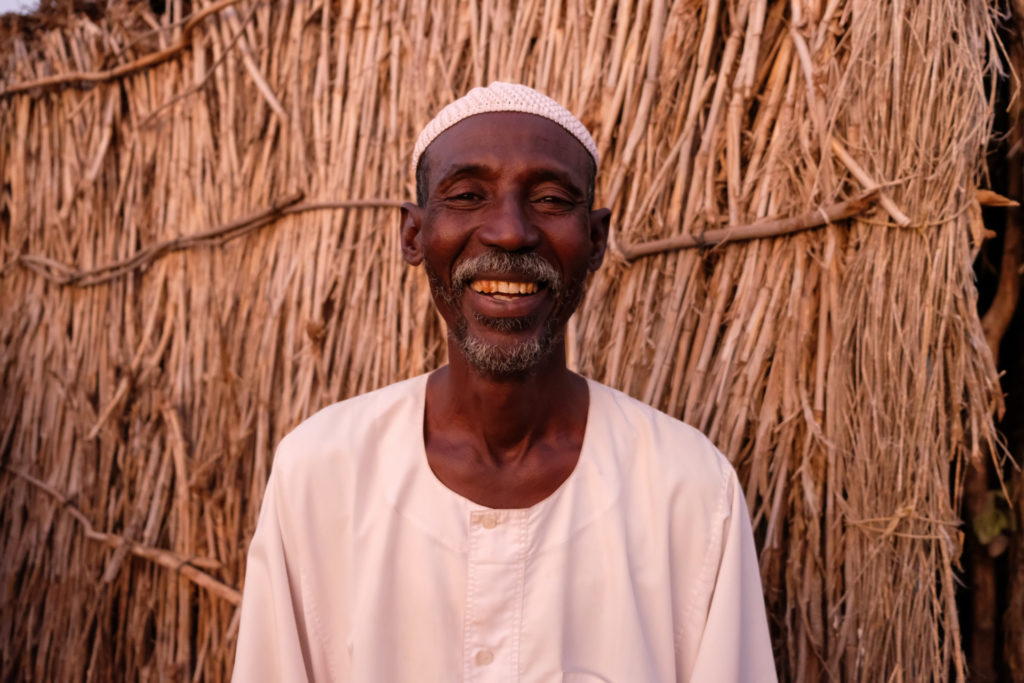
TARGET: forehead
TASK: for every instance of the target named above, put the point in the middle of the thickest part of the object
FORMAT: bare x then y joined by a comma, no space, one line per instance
508,140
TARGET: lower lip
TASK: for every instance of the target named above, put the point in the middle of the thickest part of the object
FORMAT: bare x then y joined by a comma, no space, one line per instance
507,297
506,306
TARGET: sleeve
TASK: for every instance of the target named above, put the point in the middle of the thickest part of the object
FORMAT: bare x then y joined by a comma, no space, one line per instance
735,645
271,644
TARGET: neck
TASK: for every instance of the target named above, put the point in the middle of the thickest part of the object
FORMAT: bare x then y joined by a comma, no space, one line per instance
505,416
505,442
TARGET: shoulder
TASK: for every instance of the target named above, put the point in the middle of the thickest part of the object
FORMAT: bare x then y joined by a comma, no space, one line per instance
351,427
636,421
676,453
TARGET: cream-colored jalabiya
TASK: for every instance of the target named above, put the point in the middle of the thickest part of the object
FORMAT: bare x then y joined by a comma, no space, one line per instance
365,567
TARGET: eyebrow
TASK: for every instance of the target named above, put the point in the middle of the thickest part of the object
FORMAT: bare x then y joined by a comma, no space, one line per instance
463,171
560,177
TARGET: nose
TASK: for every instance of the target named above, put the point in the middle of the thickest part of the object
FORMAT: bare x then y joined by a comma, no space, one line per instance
508,226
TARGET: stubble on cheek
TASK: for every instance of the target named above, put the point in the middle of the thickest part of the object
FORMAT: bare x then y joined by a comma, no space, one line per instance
441,292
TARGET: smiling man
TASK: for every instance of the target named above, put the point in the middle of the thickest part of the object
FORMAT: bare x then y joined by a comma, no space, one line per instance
502,518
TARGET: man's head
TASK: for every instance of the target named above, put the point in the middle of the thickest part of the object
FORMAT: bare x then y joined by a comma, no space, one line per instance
504,225
498,97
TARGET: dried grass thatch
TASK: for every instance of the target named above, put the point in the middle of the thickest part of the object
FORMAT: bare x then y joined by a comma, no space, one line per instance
183,281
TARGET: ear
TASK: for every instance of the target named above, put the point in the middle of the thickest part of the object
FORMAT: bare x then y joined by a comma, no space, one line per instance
412,252
599,223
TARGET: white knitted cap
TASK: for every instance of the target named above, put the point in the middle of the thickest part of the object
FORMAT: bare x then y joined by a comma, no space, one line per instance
500,96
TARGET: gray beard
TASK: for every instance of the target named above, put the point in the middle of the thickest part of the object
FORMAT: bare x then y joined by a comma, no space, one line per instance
503,361
521,357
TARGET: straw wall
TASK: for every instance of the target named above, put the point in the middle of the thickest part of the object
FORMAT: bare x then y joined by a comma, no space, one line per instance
842,369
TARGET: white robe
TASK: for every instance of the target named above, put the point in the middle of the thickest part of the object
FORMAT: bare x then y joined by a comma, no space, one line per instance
365,567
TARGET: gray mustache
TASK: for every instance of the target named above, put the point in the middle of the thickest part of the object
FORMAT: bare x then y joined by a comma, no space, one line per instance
529,265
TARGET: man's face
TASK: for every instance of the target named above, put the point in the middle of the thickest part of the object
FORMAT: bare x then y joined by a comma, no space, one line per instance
506,236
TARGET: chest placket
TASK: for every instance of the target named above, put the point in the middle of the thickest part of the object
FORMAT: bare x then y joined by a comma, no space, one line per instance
494,595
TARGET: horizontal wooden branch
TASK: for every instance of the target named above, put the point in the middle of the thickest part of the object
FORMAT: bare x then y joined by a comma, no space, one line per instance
149,60
764,228
189,567
63,274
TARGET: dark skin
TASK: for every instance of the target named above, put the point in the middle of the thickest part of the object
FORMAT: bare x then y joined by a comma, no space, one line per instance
517,183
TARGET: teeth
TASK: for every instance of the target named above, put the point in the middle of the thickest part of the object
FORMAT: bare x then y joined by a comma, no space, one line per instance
503,287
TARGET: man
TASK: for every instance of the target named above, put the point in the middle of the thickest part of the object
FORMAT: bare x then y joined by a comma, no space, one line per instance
503,518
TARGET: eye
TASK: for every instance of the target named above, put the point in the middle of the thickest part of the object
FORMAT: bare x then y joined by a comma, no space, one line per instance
463,197
553,203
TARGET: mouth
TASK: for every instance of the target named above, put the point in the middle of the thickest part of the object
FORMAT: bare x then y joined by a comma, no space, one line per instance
505,290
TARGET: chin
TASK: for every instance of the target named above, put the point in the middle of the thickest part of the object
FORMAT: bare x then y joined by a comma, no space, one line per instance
506,360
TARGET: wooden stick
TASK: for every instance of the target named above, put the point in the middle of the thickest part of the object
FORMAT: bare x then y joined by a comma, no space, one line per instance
125,69
144,257
188,567
997,318
761,229
990,198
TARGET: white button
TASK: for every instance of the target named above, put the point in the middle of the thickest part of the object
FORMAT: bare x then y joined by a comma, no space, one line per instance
484,657
489,520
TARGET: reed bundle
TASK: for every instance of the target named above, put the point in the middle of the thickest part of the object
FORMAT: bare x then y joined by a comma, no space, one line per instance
199,249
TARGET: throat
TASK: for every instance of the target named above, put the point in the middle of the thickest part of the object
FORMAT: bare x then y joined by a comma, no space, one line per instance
496,482
500,446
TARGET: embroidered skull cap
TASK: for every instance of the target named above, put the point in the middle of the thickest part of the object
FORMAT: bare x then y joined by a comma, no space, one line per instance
501,97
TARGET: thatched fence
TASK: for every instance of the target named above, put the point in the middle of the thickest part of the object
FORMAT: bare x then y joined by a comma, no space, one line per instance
198,248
